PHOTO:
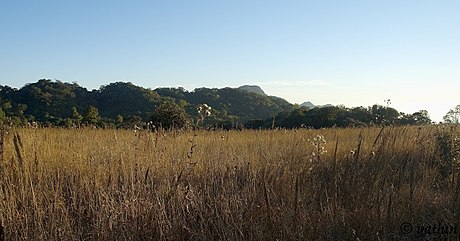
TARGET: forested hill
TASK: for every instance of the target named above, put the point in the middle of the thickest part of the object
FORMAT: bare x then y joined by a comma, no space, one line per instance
53,101
230,102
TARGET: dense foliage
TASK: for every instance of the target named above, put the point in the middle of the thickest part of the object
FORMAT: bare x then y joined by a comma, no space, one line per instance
120,104
57,103
230,104
345,117
169,116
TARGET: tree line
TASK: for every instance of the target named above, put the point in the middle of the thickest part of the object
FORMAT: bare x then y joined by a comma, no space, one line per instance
341,116
125,105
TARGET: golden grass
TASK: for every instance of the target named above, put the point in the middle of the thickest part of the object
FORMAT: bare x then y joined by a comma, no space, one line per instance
84,184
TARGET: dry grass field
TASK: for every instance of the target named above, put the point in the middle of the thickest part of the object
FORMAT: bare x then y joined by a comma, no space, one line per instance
389,183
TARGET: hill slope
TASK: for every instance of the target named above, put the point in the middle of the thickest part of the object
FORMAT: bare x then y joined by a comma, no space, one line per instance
230,102
47,99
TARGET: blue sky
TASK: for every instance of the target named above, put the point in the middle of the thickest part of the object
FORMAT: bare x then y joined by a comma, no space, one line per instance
355,53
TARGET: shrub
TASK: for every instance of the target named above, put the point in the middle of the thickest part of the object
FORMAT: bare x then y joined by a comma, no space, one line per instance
169,116
448,150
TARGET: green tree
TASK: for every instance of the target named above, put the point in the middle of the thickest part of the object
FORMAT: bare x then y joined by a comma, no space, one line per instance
421,117
92,116
68,122
21,108
453,116
126,99
7,106
169,115
119,120
384,115
2,115
76,117
133,120
182,104
54,97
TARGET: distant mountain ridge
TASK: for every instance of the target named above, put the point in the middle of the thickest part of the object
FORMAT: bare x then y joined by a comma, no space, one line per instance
258,90
252,89
310,105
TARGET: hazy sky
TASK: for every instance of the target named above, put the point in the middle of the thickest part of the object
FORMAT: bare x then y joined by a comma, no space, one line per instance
355,53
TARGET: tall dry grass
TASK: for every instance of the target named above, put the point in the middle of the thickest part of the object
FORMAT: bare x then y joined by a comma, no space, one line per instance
360,184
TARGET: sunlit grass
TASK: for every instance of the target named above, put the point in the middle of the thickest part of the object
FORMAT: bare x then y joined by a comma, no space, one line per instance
85,184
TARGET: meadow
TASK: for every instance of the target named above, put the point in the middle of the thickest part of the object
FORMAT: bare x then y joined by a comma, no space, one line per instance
376,183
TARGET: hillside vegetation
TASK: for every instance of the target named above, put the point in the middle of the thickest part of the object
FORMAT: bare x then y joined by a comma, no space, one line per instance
53,101
124,105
